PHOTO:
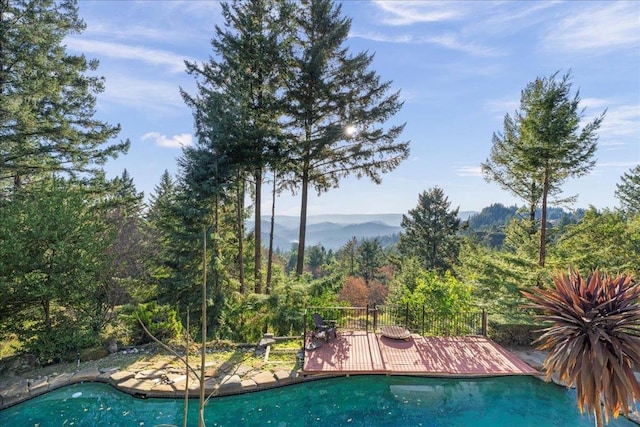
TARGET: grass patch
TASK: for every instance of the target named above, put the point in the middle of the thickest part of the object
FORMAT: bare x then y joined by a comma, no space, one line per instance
9,347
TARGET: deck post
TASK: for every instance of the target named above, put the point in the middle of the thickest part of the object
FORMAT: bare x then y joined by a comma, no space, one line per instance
375,317
304,334
484,323
406,317
366,323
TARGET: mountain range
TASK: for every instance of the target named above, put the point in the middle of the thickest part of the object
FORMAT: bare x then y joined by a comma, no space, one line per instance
333,231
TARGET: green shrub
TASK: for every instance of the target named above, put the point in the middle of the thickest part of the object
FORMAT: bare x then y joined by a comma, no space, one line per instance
513,335
59,342
161,321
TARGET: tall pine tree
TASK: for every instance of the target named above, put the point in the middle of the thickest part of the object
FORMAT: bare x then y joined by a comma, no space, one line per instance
337,108
237,108
430,232
47,98
628,191
549,148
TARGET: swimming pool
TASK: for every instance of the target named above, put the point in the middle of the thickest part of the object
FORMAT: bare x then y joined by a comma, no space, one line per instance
357,401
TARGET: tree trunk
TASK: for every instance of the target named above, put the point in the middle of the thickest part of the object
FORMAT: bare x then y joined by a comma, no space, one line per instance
258,233
532,220
240,231
271,228
352,255
543,220
203,350
185,415
303,221
46,306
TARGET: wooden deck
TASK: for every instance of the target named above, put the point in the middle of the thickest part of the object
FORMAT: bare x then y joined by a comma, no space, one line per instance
359,352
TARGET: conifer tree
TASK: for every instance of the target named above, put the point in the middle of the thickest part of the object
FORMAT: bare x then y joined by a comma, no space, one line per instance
237,108
628,191
337,108
544,146
430,232
53,242
47,97
370,259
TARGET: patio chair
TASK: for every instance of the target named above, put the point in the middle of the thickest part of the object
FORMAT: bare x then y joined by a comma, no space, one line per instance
324,329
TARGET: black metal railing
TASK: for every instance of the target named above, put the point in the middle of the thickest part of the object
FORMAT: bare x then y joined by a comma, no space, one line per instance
418,320
349,318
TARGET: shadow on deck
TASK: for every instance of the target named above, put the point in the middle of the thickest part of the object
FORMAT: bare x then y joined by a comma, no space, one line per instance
359,352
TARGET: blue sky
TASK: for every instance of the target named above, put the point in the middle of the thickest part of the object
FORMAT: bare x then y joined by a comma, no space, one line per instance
460,67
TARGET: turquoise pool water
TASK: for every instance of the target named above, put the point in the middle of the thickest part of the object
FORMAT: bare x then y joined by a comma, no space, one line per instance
353,401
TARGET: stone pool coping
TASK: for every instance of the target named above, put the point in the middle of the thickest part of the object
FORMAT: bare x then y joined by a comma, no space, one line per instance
154,379
167,379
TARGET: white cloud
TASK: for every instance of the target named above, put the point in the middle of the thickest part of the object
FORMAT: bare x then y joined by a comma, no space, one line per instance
174,62
133,32
617,165
448,41
148,94
595,103
500,107
384,38
469,171
173,22
598,27
453,42
621,120
176,141
506,18
411,12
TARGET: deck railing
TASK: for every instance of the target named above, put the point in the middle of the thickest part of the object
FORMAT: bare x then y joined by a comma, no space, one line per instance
418,320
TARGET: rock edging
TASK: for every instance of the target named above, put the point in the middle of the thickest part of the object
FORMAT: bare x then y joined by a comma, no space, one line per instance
163,380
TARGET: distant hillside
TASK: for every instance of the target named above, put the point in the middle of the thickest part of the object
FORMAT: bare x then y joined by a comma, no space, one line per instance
333,231
488,225
328,234
294,221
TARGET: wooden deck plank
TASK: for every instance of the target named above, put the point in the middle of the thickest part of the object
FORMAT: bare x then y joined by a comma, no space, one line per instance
361,352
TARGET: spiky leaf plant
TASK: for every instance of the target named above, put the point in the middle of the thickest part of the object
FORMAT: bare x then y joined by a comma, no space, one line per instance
593,339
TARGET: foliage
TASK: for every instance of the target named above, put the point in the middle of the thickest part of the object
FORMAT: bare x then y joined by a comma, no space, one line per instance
160,320
316,257
496,278
442,294
329,92
244,317
602,239
53,245
346,256
519,240
285,307
377,293
180,223
513,334
238,106
492,217
490,224
47,97
507,165
628,191
370,260
354,292
593,338
543,146
125,274
323,292
60,341
430,232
